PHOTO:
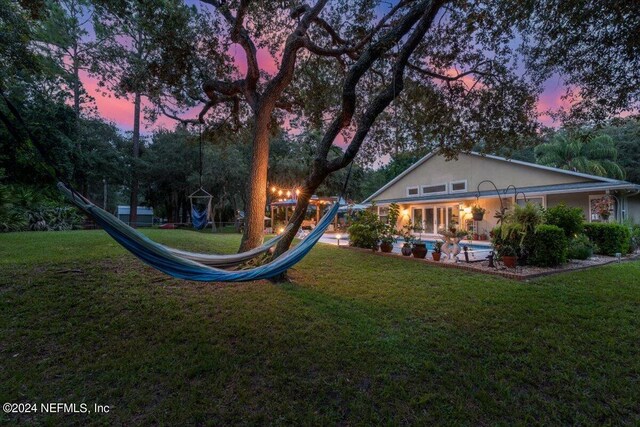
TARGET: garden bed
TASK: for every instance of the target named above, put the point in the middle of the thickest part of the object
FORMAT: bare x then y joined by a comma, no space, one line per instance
518,273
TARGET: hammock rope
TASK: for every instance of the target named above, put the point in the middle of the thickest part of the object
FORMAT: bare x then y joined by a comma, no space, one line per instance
199,217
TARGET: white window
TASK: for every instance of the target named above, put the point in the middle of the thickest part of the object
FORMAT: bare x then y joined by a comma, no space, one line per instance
434,189
458,186
383,213
412,191
534,200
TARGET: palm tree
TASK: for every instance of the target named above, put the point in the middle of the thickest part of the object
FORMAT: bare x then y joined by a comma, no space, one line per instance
596,156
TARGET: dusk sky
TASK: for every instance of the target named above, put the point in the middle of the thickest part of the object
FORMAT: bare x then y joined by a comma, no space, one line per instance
120,111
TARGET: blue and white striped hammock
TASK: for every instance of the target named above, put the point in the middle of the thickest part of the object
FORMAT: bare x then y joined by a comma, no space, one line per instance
168,261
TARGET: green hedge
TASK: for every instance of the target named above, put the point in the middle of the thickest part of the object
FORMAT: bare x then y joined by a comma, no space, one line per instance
635,238
548,246
580,247
571,220
610,238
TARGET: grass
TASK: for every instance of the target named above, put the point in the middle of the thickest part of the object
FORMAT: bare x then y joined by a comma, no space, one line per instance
353,339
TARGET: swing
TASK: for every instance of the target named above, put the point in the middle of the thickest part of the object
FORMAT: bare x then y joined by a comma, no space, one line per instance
199,218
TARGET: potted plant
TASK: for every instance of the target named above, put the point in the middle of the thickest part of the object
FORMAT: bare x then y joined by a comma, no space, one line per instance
484,236
419,249
386,243
388,230
603,207
509,255
476,236
437,250
477,212
408,239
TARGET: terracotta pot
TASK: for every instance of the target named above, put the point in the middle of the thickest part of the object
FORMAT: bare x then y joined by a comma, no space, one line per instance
375,248
419,250
406,249
483,237
476,236
436,256
386,247
509,261
478,216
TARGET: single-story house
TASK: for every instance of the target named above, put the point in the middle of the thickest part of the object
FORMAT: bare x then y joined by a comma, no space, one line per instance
145,215
434,192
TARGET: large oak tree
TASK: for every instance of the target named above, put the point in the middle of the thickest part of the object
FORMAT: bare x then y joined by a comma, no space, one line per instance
382,77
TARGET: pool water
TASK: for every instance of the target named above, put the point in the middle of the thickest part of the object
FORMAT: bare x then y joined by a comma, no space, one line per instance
472,247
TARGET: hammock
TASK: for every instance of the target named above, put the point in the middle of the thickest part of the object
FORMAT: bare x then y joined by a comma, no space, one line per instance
199,218
160,258
215,260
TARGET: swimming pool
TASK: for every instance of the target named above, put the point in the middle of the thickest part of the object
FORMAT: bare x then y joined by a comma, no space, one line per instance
463,243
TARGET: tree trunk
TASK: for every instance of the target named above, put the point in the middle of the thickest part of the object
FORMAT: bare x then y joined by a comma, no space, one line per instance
257,187
133,202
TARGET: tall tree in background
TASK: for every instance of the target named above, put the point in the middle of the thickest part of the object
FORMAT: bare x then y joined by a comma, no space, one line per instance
122,67
626,137
597,155
64,34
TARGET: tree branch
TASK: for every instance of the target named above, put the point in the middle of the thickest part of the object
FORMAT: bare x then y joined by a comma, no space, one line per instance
241,36
390,92
444,77
364,63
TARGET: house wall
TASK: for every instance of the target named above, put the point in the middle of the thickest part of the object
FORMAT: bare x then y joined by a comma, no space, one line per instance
576,200
633,209
491,205
475,169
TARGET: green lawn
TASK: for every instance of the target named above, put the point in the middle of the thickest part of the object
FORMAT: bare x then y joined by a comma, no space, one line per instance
354,339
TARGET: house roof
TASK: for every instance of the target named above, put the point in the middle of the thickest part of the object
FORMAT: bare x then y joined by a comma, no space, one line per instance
528,191
414,166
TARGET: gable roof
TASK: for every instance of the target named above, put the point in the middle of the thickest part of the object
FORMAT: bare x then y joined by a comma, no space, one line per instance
503,159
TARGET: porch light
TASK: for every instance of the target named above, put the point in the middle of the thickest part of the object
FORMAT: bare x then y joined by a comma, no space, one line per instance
405,212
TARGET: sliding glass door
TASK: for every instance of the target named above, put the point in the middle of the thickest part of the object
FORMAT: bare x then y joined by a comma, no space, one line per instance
428,220
433,218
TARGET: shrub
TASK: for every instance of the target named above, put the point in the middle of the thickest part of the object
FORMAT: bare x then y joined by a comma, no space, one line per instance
517,229
365,232
505,244
548,246
580,247
571,220
610,238
635,238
